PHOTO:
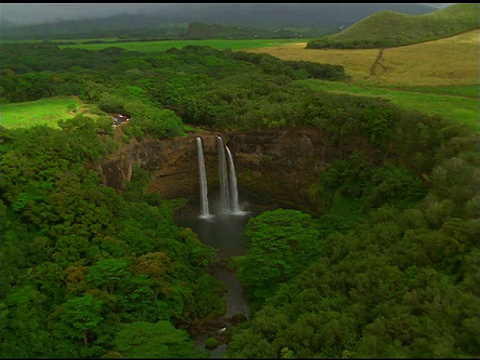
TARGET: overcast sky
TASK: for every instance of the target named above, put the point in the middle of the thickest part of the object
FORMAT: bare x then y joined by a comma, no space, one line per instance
40,13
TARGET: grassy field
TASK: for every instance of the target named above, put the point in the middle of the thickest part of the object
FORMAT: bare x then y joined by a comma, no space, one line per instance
156,46
464,109
40,112
437,77
446,62
395,29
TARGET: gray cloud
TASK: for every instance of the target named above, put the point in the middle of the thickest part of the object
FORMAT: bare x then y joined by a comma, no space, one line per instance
41,13
35,13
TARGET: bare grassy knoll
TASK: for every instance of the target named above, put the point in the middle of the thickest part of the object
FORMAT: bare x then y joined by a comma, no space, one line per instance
445,62
391,29
42,112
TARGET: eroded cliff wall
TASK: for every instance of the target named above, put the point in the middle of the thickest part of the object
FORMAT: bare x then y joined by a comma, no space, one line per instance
278,166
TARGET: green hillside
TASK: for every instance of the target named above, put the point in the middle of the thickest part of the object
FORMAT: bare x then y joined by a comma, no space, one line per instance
389,29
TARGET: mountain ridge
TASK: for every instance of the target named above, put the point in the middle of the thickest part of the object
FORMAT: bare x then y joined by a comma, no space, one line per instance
331,16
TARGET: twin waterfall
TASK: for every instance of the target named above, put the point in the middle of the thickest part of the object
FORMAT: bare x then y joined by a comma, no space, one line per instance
204,212
228,182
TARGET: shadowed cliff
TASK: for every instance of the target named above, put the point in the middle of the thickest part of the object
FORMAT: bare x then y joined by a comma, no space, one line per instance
274,167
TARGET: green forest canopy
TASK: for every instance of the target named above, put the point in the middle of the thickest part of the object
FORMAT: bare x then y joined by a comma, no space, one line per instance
388,270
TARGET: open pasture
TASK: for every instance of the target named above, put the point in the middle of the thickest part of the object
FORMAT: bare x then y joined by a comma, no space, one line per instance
39,112
436,77
156,46
447,62
463,109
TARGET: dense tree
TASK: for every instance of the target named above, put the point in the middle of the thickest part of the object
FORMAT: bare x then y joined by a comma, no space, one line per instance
155,340
388,270
280,242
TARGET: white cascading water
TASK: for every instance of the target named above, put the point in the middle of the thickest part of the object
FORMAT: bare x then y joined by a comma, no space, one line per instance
222,171
204,211
235,207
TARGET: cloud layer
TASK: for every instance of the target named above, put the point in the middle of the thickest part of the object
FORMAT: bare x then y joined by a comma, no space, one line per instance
33,13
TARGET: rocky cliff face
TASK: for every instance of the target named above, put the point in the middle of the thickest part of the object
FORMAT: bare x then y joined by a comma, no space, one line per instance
173,164
279,166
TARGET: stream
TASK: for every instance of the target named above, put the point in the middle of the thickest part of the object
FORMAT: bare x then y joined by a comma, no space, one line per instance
225,233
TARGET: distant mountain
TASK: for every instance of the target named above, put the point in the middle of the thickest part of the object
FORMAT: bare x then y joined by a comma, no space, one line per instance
290,14
199,31
326,16
389,29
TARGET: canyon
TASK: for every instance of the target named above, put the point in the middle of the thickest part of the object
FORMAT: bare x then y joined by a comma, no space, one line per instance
275,167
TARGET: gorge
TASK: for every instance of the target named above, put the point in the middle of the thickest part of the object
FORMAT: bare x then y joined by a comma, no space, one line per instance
274,166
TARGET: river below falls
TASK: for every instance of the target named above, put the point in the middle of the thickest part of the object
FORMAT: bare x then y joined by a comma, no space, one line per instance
225,233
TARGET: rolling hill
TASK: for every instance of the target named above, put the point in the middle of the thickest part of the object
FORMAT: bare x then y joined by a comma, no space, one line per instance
174,21
390,29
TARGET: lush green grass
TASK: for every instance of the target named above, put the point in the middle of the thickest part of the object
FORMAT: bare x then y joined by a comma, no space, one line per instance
389,29
156,46
464,109
465,91
458,103
448,21
39,112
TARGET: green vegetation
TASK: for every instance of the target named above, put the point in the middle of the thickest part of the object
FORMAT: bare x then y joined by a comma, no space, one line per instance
394,276
459,103
388,270
428,64
389,29
279,243
158,46
211,343
220,88
198,30
84,269
40,112
160,340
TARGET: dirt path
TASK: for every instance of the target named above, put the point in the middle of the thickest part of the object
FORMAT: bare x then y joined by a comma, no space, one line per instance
376,63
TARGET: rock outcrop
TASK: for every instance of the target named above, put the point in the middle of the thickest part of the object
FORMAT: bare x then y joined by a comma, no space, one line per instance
173,164
277,166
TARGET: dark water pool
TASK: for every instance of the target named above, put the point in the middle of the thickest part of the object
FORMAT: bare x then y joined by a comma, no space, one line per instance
225,233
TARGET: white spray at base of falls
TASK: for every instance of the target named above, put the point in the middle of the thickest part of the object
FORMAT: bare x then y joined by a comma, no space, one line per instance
204,211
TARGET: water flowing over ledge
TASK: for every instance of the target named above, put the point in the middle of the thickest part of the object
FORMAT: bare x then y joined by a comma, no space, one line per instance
229,201
204,209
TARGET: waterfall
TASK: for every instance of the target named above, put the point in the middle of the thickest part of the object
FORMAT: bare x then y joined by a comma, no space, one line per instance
235,207
222,171
204,212
228,182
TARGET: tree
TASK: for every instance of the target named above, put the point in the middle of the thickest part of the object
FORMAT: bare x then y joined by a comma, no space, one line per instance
107,274
281,242
23,333
78,318
155,340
